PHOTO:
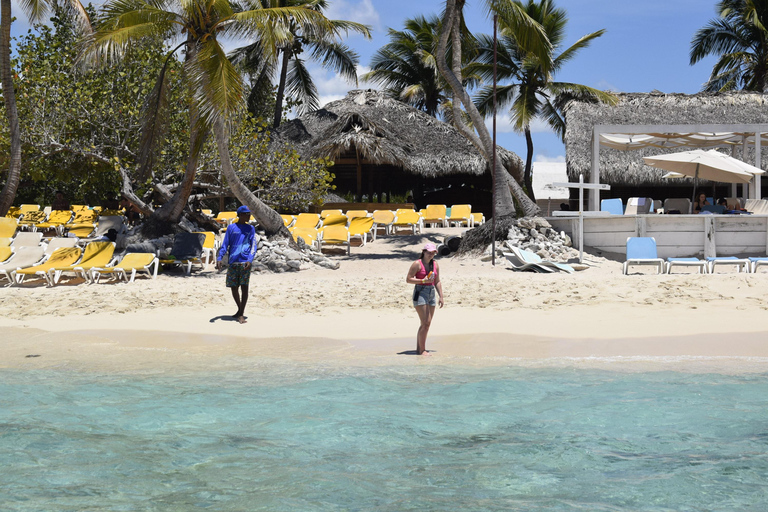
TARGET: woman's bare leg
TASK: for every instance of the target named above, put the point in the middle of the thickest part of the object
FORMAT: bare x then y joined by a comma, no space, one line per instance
425,318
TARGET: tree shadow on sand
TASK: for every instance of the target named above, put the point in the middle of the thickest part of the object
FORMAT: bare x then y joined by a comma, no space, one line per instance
224,318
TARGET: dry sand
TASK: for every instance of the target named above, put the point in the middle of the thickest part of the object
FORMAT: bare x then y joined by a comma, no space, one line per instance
361,315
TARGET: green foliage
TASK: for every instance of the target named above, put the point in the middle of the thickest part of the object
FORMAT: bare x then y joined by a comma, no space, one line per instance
80,126
739,38
277,175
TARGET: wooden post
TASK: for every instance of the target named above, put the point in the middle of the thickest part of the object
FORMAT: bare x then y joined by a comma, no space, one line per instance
359,177
759,165
710,248
640,225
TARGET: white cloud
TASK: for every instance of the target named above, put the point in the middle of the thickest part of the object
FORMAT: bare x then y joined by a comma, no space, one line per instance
361,11
604,85
332,87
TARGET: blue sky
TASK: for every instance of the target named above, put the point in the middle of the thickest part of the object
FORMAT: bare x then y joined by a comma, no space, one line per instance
645,48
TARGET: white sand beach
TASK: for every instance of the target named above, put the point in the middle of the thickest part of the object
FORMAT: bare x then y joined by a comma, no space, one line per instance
361,314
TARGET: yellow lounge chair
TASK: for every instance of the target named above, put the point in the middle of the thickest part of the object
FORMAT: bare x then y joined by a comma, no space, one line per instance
335,220
95,255
59,242
8,227
5,253
307,220
288,220
461,214
83,224
56,219
434,214
13,212
209,246
30,219
382,218
359,227
353,214
309,235
478,218
328,213
29,208
62,257
207,212
225,218
133,262
6,241
405,217
334,235
79,207
22,257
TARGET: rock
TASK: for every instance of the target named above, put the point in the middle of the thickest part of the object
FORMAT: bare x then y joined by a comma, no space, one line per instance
326,263
292,255
294,264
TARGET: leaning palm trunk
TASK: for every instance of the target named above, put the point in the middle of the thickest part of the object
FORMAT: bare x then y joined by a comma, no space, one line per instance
14,172
280,94
505,185
267,218
172,209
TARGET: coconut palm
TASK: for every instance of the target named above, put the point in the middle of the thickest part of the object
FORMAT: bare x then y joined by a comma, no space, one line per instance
215,85
739,38
532,37
406,65
531,92
294,78
36,10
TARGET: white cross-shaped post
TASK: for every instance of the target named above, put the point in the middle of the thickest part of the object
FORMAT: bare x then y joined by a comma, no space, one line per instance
581,186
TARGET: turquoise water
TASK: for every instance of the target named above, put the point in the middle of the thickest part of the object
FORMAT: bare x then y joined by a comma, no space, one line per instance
425,438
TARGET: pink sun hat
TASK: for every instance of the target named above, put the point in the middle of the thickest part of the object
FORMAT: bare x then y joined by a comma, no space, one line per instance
430,247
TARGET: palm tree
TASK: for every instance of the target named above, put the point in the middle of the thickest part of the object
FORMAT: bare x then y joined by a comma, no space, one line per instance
293,74
532,37
36,10
215,85
533,93
739,38
406,65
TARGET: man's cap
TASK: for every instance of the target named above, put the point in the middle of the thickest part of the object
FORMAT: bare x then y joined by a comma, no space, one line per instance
243,209
430,247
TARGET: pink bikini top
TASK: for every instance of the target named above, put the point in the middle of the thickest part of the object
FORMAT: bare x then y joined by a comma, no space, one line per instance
422,272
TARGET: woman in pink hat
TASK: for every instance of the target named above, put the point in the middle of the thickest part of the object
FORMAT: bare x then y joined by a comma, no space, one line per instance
425,274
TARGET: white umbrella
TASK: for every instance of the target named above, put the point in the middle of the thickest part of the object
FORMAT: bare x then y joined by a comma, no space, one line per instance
708,165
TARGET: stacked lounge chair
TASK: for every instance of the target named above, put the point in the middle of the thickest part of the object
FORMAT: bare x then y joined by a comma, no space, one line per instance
62,257
132,263
22,257
522,260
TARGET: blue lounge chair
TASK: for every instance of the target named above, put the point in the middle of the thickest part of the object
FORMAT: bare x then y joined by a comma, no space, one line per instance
612,206
757,262
702,265
741,263
642,251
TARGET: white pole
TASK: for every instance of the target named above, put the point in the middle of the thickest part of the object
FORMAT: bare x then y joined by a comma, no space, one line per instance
759,165
581,218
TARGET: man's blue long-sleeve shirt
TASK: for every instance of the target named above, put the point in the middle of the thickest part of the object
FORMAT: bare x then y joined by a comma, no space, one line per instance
240,242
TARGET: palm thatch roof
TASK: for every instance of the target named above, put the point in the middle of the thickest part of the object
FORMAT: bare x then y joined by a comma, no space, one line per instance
384,131
626,167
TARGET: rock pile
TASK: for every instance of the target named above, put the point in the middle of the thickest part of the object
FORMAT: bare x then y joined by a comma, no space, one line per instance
535,234
271,256
279,257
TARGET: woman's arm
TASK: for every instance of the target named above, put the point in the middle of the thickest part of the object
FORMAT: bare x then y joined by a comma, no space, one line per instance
438,285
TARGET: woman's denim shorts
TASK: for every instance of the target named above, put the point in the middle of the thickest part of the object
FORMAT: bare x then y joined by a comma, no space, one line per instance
424,295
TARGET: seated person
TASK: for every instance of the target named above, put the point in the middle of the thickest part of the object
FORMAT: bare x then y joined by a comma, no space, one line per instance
132,212
60,202
700,201
734,207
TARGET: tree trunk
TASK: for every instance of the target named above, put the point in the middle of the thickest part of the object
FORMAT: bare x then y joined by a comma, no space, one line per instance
281,87
505,187
528,176
267,218
8,195
172,209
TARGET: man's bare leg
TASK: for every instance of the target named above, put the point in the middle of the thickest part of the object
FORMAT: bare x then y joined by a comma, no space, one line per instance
236,296
243,302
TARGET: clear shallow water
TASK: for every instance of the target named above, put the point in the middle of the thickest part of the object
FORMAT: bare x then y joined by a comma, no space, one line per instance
427,438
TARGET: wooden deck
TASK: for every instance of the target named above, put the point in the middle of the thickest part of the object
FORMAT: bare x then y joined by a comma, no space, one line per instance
676,235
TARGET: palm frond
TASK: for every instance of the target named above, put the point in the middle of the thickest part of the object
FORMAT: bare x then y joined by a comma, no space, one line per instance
299,85
569,53
217,85
336,56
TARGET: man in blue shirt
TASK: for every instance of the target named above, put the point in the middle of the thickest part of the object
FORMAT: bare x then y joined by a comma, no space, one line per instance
240,243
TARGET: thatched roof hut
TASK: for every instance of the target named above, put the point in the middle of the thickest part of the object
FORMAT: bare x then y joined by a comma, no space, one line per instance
626,168
380,145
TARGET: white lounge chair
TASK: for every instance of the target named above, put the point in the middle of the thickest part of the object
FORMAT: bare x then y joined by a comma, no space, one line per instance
688,262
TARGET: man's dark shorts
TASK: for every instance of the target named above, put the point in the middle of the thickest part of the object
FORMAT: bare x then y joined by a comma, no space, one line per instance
238,275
